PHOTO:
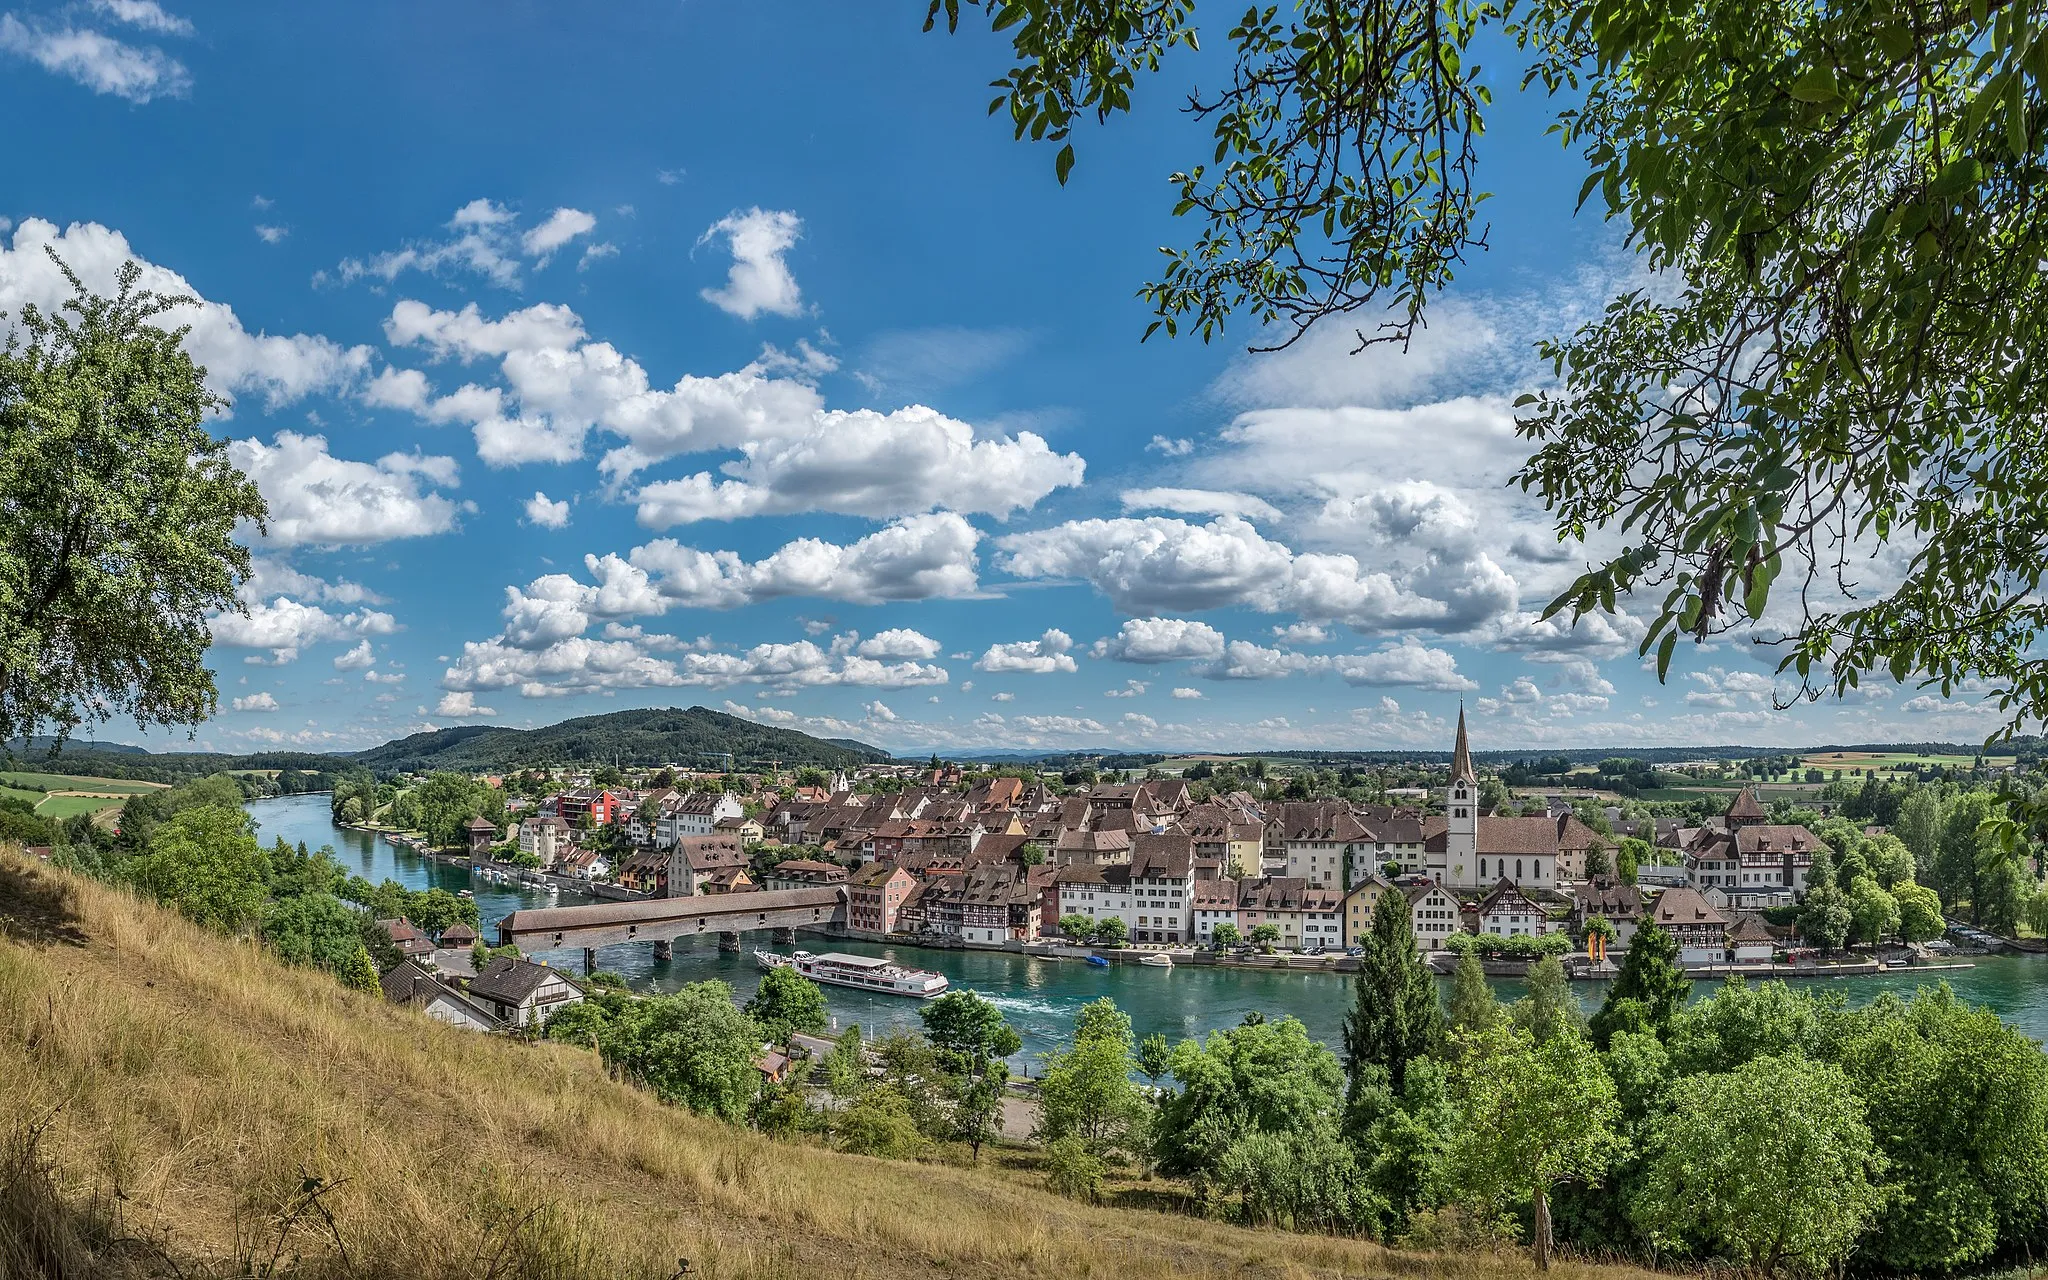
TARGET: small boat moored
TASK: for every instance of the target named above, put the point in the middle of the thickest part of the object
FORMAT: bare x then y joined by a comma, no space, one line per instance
1157,960
1098,962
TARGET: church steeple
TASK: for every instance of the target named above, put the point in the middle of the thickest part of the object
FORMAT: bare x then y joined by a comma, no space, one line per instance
1461,755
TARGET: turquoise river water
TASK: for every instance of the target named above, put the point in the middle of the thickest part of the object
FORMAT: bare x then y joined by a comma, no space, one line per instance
1040,997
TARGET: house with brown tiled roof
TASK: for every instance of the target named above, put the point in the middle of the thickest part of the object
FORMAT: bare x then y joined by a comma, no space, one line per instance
1306,914
1621,905
1152,892
521,993
1509,912
1752,862
696,861
1318,839
1359,903
1435,915
1000,902
1749,940
802,873
407,937
875,894
1693,923
1213,902
1091,848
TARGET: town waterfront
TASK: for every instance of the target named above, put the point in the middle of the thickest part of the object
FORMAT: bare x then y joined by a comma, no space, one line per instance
1040,997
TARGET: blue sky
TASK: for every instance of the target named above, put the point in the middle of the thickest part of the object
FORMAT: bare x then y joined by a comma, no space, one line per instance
679,353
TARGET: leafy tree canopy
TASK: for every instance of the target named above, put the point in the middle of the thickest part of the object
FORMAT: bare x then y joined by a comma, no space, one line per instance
117,515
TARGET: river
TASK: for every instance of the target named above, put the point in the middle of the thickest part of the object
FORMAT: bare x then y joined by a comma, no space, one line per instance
1039,997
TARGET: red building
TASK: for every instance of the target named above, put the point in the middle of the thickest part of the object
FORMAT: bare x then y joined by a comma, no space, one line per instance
874,896
600,806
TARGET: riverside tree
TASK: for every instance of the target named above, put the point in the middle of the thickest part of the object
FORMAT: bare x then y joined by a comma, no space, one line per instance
1769,1164
1837,201
786,1003
1394,1016
1648,991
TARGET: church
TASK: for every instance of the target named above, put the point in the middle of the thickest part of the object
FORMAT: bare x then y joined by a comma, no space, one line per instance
1465,849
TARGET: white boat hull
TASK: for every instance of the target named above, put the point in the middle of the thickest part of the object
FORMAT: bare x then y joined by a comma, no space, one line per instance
864,973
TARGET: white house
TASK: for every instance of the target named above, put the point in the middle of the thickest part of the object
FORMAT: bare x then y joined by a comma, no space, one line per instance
546,837
1436,915
520,993
1152,893
1318,838
1511,913
696,813
1215,902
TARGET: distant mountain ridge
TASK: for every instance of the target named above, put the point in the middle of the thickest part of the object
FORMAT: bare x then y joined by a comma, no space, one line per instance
650,736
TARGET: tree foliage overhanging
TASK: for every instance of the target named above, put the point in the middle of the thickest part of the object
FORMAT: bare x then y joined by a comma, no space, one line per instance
1837,353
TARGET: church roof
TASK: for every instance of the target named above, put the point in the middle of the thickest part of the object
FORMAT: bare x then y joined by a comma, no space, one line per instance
1461,754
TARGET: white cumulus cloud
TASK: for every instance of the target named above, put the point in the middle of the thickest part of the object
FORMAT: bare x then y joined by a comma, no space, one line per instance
759,279
547,514
317,498
256,702
1049,653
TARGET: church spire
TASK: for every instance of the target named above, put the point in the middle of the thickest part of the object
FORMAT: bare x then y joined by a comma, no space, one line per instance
1461,755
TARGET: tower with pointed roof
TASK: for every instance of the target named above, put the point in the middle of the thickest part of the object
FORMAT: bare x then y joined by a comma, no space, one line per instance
1745,811
1461,813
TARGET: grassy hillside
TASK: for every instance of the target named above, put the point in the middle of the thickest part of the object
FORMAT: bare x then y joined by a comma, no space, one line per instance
189,1089
639,737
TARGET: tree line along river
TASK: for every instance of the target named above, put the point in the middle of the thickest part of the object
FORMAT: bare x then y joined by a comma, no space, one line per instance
1039,997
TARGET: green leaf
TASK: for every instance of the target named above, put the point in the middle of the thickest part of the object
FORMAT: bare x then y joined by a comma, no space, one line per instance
1816,84
1664,654
1063,164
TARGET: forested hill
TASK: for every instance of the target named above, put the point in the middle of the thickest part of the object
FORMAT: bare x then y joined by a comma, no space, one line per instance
643,737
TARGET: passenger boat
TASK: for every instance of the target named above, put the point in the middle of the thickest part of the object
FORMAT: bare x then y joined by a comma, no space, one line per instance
862,973
1157,960
1098,962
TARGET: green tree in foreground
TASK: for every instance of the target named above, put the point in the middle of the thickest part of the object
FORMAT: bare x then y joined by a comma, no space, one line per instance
1769,1164
693,1048
1648,991
973,1041
205,862
1225,936
787,1002
1536,1115
1394,1016
1111,931
1086,1090
1076,927
118,510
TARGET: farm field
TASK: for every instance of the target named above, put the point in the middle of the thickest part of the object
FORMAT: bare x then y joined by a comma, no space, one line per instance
76,782
61,807
1889,761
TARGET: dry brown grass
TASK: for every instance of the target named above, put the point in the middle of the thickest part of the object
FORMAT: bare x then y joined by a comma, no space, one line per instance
191,1086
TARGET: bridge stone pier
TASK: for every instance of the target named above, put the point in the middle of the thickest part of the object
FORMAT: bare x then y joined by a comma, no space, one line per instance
661,921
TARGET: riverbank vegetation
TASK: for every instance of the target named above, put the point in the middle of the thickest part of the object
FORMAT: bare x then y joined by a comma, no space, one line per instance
184,1106
1764,1128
